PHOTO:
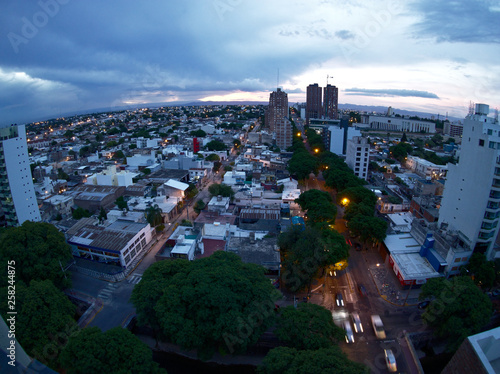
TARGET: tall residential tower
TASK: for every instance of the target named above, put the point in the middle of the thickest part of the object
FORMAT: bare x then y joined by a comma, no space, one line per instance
313,102
471,198
17,195
278,108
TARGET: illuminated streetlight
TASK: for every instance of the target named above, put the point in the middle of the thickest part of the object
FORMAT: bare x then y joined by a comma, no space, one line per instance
345,201
316,150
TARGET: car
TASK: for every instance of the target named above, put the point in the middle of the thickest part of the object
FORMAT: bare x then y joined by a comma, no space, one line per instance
362,290
390,360
423,304
339,299
356,322
378,327
349,336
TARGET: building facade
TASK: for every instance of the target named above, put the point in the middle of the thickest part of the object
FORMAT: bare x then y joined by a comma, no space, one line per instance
283,130
471,197
17,194
313,102
278,108
330,102
358,156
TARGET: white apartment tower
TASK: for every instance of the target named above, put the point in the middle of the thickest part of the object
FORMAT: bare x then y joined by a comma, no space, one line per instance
471,198
358,156
17,195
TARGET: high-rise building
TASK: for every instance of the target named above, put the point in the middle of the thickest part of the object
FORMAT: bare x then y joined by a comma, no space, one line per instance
330,102
278,108
17,195
283,130
358,156
471,197
313,102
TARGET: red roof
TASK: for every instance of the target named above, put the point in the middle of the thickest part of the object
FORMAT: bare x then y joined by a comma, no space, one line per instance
212,245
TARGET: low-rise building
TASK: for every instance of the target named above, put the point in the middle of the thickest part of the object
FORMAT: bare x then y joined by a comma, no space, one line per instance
119,243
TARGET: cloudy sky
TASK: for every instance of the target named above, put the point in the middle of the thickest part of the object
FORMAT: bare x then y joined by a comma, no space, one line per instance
60,56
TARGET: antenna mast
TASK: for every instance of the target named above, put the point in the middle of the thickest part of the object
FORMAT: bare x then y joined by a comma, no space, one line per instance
278,79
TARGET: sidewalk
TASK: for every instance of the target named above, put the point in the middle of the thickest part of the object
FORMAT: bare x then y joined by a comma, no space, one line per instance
390,289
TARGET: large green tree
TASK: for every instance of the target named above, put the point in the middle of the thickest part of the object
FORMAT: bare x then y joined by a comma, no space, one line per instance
458,308
319,206
284,360
212,304
483,271
39,251
302,164
216,145
368,228
114,351
44,319
306,252
309,326
222,189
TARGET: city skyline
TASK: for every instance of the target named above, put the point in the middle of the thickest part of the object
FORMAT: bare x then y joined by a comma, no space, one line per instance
62,56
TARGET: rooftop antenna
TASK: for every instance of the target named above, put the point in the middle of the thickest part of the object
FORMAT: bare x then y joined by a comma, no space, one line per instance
328,76
278,79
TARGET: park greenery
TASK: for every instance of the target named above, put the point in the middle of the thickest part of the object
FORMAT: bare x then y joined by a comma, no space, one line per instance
458,308
484,272
114,351
214,304
199,206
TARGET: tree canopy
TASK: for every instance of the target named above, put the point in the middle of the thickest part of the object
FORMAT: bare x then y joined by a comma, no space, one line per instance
309,326
482,270
458,308
212,304
222,189
154,215
44,319
368,228
38,249
319,206
302,164
284,360
306,252
216,145
114,351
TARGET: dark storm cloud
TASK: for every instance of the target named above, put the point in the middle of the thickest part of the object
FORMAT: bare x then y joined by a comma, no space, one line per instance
471,21
390,93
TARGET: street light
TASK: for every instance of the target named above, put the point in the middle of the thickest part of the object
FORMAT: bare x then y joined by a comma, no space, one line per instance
316,150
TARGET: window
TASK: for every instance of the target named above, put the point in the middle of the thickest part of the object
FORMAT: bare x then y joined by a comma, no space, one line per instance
457,260
454,268
481,142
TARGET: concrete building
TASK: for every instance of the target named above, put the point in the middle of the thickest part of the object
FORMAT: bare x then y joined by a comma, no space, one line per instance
219,204
453,129
283,131
478,353
358,156
110,177
393,123
17,194
426,168
330,102
471,197
338,137
277,109
119,243
313,102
